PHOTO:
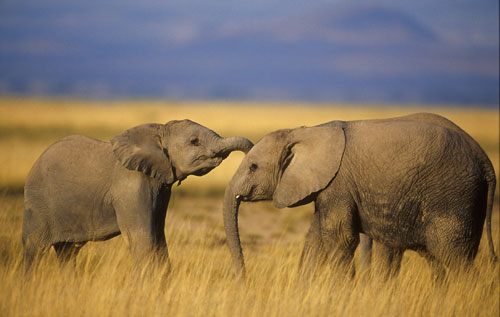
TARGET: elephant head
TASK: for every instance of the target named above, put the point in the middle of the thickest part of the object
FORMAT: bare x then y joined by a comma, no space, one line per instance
170,152
286,166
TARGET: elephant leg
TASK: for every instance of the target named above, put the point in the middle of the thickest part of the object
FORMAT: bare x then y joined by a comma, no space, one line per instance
160,249
143,245
34,249
312,247
141,221
365,253
339,240
437,268
389,261
160,242
67,251
342,257
453,244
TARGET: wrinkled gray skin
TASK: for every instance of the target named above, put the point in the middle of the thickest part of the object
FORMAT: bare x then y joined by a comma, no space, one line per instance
417,182
82,189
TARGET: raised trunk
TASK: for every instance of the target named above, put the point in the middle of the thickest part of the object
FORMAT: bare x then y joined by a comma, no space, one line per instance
235,144
231,205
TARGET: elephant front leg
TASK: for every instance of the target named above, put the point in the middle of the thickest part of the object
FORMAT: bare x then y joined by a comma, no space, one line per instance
311,254
148,250
340,255
142,244
339,239
142,227
160,244
365,254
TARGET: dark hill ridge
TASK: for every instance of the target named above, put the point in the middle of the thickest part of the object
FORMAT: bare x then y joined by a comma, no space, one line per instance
361,26
380,18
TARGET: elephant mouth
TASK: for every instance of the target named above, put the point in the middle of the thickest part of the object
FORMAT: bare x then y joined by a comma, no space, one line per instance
250,196
204,159
204,170
222,155
206,165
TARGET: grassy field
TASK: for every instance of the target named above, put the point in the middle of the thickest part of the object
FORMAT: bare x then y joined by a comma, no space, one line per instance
201,282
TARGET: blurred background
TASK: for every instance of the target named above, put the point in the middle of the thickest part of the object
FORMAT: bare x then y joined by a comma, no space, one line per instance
384,51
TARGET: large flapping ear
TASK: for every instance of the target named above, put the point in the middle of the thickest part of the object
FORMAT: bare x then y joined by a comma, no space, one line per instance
141,149
312,160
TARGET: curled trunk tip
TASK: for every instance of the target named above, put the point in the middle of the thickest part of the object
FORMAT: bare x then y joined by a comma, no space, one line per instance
236,144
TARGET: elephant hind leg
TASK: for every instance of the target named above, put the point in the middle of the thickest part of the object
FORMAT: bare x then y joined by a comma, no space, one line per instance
67,251
443,271
438,269
452,243
451,247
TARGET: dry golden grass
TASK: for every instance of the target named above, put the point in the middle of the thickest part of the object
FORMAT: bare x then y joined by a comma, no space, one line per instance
201,283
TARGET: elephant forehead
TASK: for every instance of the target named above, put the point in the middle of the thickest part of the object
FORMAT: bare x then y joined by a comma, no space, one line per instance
268,149
188,127
274,139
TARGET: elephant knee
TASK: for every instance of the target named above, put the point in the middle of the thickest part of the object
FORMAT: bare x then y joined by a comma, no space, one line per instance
147,247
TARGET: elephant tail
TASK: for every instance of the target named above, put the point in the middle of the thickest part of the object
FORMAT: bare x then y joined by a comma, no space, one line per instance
489,209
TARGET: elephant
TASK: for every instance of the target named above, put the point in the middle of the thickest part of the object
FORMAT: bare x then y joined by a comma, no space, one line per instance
416,182
82,189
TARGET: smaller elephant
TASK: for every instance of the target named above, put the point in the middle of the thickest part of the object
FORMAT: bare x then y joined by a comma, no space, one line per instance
417,182
82,189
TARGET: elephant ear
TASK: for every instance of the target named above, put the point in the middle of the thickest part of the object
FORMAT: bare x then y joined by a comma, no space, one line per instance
312,160
141,149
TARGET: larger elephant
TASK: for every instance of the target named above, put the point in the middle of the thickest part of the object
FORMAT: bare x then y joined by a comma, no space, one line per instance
417,182
82,189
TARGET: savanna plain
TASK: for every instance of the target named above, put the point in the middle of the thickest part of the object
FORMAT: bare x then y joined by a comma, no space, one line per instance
202,280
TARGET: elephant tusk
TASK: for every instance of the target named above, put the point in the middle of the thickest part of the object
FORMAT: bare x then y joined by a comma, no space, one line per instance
237,197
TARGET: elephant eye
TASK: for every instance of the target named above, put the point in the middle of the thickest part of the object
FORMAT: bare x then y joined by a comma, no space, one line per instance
253,167
195,141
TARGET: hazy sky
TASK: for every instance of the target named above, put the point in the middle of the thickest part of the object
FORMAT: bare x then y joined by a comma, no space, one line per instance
45,44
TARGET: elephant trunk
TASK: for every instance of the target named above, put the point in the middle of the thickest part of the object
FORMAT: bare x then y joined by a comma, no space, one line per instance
230,210
227,145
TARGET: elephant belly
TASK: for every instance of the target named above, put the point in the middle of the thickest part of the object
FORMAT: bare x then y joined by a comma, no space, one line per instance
82,217
80,208
394,226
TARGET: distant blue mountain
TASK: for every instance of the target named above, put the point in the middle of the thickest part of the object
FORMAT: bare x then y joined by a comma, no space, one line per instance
364,53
